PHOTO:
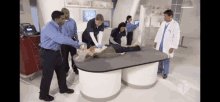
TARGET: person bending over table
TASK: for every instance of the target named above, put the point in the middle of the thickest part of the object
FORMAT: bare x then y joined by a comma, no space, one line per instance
117,34
108,51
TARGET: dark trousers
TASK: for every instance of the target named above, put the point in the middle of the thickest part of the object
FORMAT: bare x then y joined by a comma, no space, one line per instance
89,42
120,49
65,49
50,61
129,38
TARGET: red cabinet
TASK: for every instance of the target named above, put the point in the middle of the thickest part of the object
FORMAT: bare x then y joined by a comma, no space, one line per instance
29,58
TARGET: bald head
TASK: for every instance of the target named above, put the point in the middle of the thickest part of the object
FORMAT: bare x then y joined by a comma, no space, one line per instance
66,13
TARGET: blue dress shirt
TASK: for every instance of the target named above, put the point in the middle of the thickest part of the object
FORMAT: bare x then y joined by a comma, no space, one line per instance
51,37
69,29
131,27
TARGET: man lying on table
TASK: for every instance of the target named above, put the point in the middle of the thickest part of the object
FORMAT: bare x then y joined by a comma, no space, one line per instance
107,51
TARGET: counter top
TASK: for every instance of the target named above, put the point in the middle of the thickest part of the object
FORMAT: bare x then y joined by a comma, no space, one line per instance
147,55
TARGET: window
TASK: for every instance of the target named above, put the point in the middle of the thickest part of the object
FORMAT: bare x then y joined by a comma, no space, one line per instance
176,8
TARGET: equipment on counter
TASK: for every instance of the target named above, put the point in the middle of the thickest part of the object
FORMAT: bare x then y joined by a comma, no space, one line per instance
27,30
29,58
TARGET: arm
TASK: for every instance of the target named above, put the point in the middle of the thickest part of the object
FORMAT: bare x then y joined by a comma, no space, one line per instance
111,37
60,38
100,37
176,37
131,27
93,38
90,30
101,34
112,40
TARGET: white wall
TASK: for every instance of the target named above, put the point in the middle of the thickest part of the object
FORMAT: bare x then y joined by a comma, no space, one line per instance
121,12
27,16
35,17
190,22
45,9
76,14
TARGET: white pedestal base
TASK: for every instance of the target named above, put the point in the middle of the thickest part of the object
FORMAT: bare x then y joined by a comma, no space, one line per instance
100,86
142,76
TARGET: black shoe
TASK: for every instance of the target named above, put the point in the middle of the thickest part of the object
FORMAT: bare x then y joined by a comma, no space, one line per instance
76,71
164,76
69,91
66,74
47,98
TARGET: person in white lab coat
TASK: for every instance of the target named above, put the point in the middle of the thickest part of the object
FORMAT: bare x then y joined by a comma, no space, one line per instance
167,39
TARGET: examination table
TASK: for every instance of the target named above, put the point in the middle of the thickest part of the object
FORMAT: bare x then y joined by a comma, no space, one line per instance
100,79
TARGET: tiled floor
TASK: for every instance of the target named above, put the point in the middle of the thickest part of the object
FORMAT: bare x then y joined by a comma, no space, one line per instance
181,85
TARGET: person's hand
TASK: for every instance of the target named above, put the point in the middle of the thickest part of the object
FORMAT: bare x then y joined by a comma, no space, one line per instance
171,50
99,46
123,53
78,52
92,49
83,47
155,45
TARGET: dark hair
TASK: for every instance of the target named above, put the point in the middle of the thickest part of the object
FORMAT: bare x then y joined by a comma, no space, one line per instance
168,12
56,14
128,17
99,17
122,24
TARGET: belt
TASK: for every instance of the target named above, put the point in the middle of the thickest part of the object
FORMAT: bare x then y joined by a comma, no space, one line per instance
50,50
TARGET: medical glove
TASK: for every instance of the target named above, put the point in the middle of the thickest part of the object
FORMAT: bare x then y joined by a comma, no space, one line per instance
99,46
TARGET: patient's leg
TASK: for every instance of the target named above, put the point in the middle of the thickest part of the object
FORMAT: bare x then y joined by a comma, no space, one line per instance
108,52
130,49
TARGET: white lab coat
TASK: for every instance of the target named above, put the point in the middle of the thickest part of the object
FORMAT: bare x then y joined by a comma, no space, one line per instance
171,37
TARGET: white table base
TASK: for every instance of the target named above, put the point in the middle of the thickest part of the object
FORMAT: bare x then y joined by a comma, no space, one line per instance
142,76
100,86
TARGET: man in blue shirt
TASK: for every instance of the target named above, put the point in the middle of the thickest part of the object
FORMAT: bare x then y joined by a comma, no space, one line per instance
50,55
130,29
69,29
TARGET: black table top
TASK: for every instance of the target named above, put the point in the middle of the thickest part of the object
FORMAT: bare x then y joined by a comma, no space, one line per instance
145,56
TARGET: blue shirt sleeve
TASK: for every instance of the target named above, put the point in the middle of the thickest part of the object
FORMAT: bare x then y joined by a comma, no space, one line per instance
59,37
131,27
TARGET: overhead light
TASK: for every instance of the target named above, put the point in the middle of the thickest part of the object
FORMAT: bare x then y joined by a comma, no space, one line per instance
187,4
